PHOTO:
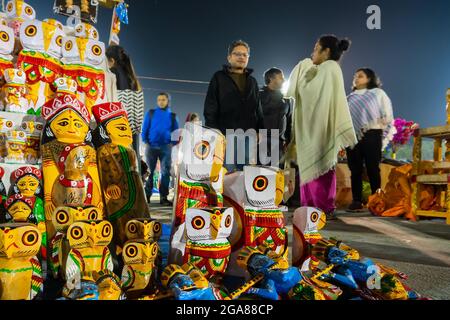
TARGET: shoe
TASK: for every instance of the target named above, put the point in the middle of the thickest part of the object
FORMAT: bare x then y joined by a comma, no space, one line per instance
331,215
356,206
148,198
165,202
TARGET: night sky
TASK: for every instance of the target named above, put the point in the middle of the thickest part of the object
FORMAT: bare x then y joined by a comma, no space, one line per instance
188,39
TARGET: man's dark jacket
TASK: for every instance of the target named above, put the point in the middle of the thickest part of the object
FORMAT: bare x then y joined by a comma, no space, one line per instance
227,108
277,112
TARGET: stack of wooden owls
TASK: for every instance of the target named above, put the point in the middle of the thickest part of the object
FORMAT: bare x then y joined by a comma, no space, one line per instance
78,208
209,235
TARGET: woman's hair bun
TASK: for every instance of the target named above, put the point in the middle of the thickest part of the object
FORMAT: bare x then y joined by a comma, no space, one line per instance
344,44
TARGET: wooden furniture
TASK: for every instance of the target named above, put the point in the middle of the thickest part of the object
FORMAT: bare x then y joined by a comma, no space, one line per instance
435,173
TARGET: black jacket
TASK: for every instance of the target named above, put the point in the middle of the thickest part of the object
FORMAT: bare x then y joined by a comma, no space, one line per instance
225,106
277,113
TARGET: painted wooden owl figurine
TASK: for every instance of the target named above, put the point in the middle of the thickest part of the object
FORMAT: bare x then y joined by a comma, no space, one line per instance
263,221
199,181
20,269
62,219
207,246
139,258
88,241
40,58
6,48
83,56
143,229
17,12
307,222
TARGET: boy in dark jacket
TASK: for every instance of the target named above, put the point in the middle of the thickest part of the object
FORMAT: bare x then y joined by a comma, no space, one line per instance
157,130
232,101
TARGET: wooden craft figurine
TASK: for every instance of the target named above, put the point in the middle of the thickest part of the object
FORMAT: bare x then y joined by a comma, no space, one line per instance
33,129
142,265
88,241
139,258
69,160
120,180
17,12
15,146
14,92
63,218
83,58
200,167
40,58
26,184
6,124
263,220
207,246
20,270
6,48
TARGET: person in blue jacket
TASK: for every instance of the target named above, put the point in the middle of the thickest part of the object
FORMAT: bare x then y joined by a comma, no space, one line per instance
159,123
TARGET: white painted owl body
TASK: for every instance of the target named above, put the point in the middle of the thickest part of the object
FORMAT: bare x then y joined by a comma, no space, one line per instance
264,186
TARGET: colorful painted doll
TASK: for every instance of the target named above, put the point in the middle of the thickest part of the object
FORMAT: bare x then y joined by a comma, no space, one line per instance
69,160
139,258
33,129
121,182
207,246
199,181
20,270
263,221
83,58
16,141
63,218
88,241
40,58
18,12
6,48
14,92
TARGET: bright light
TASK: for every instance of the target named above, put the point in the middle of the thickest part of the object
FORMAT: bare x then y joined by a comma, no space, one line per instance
285,87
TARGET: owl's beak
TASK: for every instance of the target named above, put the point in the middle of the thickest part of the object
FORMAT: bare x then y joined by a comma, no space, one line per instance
49,31
19,5
11,247
279,193
214,226
82,43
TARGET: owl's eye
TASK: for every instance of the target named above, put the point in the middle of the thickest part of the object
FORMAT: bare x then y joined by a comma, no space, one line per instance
29,11
30,238
79,29
314,216
9,7
97,50
132,228
39,127
154,250
156,227
31,31
76,233
9,124
92,215
227,221
260,183
106,231
4,36
69,45
59,41
62,217
202,150
131,251
198,223
95,34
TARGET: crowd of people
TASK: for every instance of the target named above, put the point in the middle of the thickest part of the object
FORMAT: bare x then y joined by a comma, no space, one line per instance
309,125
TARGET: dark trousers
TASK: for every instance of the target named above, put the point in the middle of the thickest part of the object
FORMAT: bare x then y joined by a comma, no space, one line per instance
368,152
164,154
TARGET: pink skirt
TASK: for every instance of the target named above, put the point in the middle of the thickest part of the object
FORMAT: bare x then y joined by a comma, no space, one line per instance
320,193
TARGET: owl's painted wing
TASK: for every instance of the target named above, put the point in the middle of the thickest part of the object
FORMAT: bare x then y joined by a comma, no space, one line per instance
107,262
128,276
75,264
37,280
56,250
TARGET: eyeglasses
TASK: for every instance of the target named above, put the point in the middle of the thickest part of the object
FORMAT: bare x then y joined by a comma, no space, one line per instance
241,54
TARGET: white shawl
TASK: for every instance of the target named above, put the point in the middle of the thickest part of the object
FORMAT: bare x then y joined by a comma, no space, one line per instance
322,121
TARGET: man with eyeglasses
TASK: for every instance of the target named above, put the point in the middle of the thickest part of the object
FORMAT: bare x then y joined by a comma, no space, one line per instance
232,102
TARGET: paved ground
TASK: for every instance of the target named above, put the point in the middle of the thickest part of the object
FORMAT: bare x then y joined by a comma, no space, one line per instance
419,249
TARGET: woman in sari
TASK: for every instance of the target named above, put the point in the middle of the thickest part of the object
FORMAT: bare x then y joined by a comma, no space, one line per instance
322,122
